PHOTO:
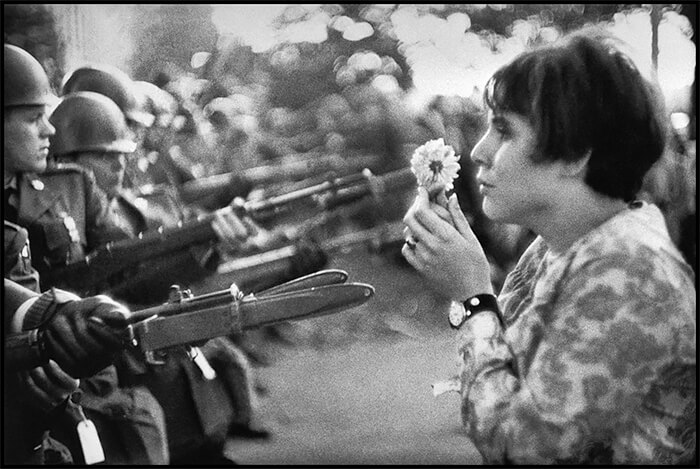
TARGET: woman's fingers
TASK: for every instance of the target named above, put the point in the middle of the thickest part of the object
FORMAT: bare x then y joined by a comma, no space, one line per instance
458,218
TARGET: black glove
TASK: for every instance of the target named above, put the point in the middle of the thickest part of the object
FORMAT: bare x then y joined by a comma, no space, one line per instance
80,335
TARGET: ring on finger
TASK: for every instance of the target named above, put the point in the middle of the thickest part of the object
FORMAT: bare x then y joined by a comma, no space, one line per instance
411,243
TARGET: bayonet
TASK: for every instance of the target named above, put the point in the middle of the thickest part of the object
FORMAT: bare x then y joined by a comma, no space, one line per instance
189,319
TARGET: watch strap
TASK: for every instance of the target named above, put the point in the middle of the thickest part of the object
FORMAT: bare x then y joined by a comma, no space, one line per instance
479,303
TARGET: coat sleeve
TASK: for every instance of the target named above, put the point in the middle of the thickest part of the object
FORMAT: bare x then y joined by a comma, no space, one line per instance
13,297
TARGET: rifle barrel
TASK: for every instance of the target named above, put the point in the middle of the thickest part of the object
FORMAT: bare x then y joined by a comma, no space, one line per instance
255,208
377,186
384,234
238,183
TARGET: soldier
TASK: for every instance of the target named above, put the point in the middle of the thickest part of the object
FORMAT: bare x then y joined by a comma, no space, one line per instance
116,85
92,133
34,397
62,228
142,169
191,397
66,216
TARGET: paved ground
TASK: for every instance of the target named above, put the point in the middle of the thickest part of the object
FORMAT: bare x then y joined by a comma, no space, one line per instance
355,387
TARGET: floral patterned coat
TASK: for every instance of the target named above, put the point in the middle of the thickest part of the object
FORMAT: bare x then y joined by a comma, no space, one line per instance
597,360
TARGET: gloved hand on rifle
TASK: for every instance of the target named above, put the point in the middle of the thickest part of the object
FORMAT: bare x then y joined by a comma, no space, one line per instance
80,335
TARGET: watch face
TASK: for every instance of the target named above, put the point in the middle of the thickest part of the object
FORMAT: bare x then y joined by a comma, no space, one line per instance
456,314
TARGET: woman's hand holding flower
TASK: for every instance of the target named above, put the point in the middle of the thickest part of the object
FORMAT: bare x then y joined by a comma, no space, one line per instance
435,166
446,253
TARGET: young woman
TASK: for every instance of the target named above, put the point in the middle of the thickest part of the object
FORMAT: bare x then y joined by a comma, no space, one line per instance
588,353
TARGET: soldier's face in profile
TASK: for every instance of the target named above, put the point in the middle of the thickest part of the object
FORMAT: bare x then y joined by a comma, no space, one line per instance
26,135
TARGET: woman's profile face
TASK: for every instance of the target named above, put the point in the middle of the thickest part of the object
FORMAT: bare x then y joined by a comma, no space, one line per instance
514,188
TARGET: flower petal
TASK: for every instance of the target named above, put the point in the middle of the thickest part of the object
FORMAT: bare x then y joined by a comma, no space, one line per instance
435,165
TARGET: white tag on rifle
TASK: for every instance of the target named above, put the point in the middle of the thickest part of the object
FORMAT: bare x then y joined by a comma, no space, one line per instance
201,361
90,442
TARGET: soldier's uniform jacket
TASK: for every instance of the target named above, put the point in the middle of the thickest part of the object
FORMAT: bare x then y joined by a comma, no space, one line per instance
66,214
18,257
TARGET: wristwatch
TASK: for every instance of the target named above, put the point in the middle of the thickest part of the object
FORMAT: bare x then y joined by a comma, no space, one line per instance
460,312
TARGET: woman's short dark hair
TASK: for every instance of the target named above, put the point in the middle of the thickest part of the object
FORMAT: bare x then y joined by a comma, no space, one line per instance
583,94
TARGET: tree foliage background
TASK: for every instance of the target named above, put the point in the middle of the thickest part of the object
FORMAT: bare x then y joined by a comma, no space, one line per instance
166,36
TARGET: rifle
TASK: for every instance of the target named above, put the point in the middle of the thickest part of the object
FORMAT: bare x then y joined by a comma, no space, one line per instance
217,190
94,272
186,319
291,257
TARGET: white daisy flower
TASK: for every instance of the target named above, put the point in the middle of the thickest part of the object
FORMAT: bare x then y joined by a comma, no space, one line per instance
435,166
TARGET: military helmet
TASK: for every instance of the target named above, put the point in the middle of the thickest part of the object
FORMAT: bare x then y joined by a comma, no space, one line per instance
88,121
25,82
113,83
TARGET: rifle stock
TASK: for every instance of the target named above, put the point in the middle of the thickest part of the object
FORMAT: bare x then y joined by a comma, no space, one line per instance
92,273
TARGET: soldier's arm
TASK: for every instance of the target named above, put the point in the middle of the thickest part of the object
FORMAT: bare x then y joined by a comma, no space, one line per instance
81,335
14,297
